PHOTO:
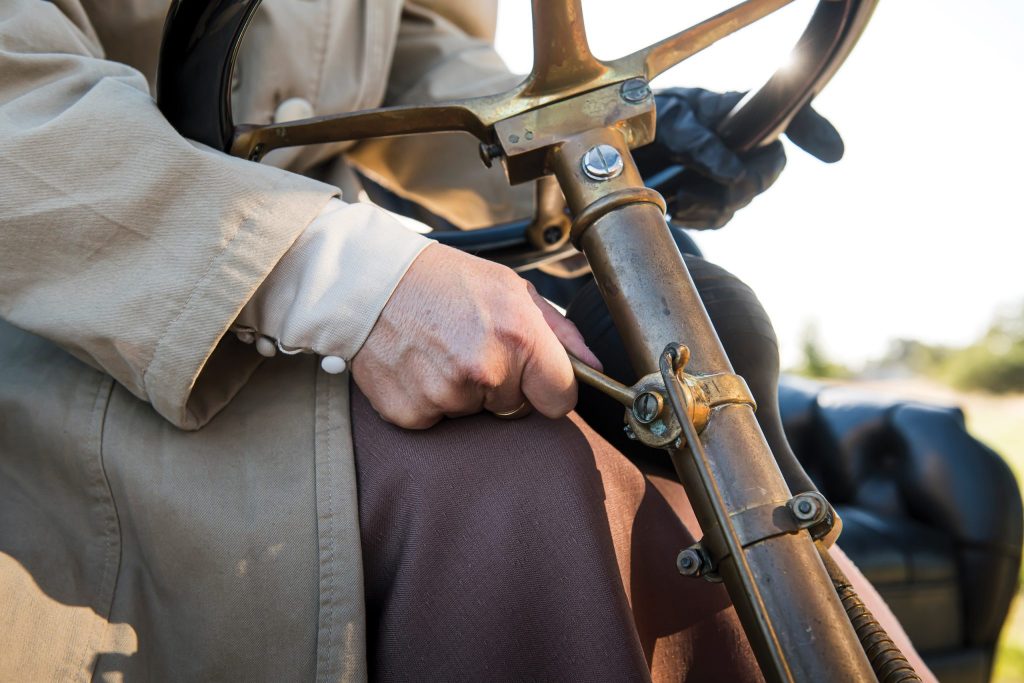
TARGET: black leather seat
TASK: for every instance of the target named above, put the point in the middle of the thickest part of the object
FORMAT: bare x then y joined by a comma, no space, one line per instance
931,516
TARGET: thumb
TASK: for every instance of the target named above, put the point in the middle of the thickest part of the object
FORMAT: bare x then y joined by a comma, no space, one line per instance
566,332
812,132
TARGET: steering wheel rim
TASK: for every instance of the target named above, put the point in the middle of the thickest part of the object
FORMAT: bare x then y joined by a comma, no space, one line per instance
197,60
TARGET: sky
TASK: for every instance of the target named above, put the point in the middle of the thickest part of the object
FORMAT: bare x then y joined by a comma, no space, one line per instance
917,232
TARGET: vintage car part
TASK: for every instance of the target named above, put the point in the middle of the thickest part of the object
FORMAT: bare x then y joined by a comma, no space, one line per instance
576,118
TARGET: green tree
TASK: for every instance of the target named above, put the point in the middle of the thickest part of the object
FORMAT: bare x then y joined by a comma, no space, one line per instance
995,362
815,361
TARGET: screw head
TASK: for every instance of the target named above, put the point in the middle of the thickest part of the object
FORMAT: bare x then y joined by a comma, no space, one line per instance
630,434
635,91
647,407
689,562
806,508
552,234
489,152
602,162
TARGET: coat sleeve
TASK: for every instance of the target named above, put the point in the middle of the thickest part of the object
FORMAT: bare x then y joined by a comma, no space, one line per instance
126,244
445,51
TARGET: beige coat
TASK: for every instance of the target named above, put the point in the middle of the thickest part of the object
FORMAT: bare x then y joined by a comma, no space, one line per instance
140,537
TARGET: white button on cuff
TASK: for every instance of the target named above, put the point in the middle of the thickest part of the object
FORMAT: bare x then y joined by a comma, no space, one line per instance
333,365
266,347
245,336
293,109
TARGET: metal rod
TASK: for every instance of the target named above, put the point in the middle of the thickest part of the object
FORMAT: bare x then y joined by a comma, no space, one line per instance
794,612
733,544
561,53
603,383
660,56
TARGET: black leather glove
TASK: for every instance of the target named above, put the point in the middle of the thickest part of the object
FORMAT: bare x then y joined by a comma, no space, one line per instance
686,136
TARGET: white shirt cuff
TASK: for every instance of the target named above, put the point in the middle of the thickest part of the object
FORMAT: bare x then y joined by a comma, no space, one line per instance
326,293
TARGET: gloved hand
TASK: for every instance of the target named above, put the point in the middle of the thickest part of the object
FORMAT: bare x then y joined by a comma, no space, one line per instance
687,118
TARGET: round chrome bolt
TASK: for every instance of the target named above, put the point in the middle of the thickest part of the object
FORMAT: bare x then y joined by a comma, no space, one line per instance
635,91
602,162
647,407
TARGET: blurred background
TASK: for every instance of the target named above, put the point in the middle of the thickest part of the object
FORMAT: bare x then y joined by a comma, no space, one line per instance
899,268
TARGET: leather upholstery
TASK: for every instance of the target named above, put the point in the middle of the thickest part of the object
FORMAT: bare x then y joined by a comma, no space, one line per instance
932,516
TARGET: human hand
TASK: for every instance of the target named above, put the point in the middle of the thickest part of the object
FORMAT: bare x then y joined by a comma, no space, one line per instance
461,334
687,118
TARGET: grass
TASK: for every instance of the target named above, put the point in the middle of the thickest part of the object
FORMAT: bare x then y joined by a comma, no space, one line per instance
1000,424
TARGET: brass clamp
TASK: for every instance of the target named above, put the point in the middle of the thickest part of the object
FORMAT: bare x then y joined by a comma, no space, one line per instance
808,510
649,418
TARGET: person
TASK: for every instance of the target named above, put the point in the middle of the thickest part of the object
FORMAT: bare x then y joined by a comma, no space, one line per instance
175,503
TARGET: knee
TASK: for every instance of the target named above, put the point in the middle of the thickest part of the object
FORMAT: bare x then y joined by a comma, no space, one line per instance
477,458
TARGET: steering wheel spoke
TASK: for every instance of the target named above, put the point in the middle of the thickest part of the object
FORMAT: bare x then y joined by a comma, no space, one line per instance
471,116
561,53
202,38
661,56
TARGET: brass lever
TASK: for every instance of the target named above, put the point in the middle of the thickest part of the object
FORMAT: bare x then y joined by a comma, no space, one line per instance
646,418
602,382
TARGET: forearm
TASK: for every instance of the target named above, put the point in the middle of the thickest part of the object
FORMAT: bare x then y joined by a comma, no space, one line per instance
120,240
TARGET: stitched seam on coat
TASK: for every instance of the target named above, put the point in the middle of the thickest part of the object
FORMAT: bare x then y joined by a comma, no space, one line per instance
317,80
354,665
112,526
376,57
192,293
243,226
326,645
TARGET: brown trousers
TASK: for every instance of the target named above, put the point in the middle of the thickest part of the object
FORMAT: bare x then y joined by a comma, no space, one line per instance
536,550
530,551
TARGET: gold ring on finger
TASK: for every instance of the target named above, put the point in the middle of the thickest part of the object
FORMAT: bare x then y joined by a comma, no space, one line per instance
522,410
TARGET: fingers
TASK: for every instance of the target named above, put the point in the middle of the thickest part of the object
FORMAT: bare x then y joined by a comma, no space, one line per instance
687,118
764,166
506,398
397,406
692,144
548,382
701,206
487,341
813,133
708,205
712,107
566,332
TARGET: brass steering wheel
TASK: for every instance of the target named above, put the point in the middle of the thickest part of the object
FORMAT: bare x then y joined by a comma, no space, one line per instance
201,41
